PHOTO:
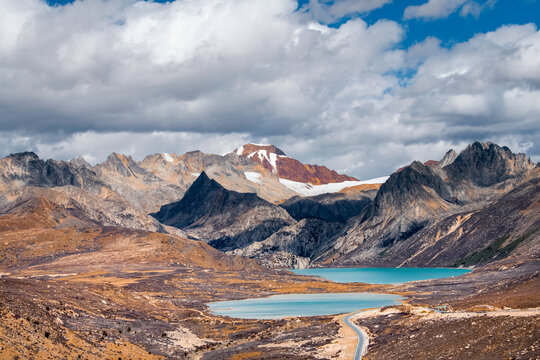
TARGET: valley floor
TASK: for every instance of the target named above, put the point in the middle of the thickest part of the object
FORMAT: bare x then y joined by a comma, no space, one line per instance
151,312
147,313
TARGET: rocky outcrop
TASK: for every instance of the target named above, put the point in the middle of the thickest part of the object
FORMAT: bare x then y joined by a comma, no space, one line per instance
415,184
448,158
460,210
27,169
418,205
25,177
226,219
487,164
306,239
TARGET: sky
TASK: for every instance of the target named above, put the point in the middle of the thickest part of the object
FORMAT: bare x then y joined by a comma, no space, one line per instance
361,86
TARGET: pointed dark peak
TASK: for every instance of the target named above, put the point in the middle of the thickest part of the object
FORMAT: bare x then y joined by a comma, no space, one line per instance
203,176
206,198
203,184
203,179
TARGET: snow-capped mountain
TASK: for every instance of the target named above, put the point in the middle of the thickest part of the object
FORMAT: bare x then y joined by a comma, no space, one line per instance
304,179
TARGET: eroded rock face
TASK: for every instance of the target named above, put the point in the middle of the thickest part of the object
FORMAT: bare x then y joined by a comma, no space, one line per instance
414,212
275,160
415,183
25,177
448,158
305,239
23,169
487,164
224,218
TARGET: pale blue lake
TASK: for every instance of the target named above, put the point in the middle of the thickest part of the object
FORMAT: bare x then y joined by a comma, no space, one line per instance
381,275
280,306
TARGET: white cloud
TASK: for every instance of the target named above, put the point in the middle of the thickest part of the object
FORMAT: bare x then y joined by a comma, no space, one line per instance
437,9
142,77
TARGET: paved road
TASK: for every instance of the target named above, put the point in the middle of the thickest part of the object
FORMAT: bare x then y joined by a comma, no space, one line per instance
362,337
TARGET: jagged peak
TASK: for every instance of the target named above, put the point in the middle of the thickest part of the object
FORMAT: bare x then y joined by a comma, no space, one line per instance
485,164
448,158
80,161
25,154
113,156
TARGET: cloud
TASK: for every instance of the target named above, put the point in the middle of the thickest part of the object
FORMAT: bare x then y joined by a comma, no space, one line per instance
438,9
142,77
212,66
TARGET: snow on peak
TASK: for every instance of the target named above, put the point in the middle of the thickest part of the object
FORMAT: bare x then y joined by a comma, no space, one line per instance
167,157
240,150
264,155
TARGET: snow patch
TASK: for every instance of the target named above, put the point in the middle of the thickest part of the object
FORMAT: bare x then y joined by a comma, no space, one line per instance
167,157
273,159
196,174
240,150
262,155
254,177
307,189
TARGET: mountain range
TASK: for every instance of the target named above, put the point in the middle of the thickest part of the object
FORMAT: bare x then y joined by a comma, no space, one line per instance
438,213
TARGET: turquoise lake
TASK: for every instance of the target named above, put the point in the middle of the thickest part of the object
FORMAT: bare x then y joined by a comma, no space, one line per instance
280,306
381,275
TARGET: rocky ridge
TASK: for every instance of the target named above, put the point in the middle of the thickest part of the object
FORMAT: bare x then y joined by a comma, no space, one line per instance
423,215
416,210
226,219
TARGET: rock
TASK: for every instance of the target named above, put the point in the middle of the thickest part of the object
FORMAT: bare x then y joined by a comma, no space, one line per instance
226,219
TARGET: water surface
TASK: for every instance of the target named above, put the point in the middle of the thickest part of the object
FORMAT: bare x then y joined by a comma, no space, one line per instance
381,275
280,306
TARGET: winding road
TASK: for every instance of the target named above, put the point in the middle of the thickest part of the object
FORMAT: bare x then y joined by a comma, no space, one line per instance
363,339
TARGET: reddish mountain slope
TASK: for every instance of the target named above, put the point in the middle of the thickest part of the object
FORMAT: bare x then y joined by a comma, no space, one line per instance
275,160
